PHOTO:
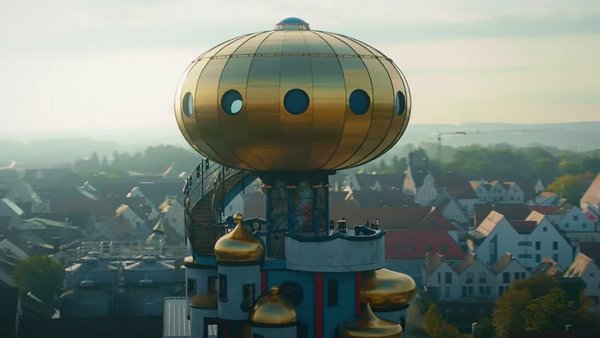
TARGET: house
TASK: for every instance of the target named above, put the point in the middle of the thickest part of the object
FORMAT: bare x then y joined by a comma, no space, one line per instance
440,278
376,182
591,198
405,251
552,212
530,240
585,266
546,198
574,220
11,213
23,195
510,211
458,187
475,278
548,267
453,211
498,192
507,270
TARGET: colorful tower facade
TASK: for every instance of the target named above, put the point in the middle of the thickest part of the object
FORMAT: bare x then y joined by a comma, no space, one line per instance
289,106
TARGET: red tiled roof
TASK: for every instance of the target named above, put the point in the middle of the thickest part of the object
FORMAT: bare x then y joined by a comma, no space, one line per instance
456,185
414,245
523,227
546,210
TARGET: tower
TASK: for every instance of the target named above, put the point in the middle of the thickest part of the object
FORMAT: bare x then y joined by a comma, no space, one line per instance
289,106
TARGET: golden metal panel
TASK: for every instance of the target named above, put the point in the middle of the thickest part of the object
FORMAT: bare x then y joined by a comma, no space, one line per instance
382,103
356,76
329,101
399,122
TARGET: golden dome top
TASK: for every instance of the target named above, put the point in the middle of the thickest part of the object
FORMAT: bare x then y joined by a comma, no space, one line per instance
292,99
273,309
239,246
386,290
368,325
208,301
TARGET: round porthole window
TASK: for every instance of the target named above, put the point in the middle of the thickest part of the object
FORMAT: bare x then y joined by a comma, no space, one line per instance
232,102
296,101
400,103
359,102
187,104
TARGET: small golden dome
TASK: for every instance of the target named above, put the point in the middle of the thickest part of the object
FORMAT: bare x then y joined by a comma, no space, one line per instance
368,325
385,289
239,246
208,301
273,309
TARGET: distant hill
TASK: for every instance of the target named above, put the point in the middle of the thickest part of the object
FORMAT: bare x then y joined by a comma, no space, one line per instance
62,151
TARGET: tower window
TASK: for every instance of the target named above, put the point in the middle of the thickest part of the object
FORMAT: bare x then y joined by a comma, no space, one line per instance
188,104
332,293
296,101
223,288
359,102
400,103
191,287
232,102
248,301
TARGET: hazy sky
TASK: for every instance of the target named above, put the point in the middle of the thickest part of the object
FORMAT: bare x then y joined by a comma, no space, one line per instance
84,65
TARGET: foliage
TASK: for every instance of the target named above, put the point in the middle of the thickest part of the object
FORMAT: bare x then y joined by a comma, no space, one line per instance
41,276
571,187
541,303
507,316
436,327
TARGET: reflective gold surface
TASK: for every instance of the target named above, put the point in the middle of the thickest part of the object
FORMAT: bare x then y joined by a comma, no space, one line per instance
385,289
239,246
368,325
208,301
272,309
263,67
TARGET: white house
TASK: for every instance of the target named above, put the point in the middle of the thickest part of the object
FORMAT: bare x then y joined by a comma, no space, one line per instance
507,270
174,212
498,192
475,278
575,220
585,268
453,211
529,240
426,192
440,275
513,193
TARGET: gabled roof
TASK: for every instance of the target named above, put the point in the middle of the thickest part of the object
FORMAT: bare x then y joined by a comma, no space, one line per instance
510,211
489,223
546,209
523,227
548,267
592,194
387,181
579,266
432,262
456,185
414,245
502,263
591,249
466,262
12,206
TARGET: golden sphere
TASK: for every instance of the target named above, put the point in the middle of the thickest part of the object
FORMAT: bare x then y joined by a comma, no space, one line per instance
273,309
292,99
387,290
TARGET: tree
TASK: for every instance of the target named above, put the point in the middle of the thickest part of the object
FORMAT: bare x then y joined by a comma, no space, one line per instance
571,187
507,316
436,327
41,276
549,312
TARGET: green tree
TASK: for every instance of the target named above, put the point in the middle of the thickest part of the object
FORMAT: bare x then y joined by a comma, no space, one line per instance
549,312
436,326
41,276
571,187
507,316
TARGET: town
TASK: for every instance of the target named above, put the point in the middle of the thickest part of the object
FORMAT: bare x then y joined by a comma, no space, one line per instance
116,238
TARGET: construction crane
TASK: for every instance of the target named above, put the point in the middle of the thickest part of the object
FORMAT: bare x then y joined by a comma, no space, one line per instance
439,138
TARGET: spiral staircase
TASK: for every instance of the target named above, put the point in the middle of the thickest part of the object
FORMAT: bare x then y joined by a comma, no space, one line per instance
206,193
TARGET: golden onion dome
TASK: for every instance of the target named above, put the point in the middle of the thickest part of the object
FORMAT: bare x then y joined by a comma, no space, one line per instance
387,290
273,309
292,99
239,246
368,325
208,301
